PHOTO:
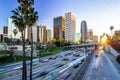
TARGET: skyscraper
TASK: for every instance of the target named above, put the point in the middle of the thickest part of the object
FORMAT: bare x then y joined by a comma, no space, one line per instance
5,32
90,34
49,35
70,29
11,27
59,27
78,37
84,33
95,39
42,33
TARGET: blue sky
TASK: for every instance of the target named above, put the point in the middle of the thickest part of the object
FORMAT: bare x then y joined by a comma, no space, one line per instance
99,14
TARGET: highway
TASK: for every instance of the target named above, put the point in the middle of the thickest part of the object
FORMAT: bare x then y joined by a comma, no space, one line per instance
50,65
101,68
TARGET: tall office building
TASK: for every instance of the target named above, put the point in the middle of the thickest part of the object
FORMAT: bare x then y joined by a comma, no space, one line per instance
78,37
90,34
34,31
95,39
84,32
42,34
5,32
59,27
11,27
70,29
49,35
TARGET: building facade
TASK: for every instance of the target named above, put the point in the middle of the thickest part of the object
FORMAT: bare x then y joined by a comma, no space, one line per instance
95,39
90,34
59,27
70,27
78,37
84,32
49,35
42,34
11,27
5,33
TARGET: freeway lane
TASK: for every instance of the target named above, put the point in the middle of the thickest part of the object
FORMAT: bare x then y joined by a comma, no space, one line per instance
101,68
47,66
10,67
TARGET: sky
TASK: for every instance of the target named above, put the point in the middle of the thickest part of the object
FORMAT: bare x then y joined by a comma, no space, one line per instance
99,14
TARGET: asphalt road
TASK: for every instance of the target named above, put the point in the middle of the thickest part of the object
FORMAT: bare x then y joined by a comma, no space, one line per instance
48,66
101,68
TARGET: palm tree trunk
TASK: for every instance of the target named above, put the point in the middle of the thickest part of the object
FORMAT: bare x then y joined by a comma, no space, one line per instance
31,54
24,73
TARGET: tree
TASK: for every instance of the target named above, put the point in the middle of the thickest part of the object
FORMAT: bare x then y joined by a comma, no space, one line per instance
14,32
29,17
111,28
19,22
32,18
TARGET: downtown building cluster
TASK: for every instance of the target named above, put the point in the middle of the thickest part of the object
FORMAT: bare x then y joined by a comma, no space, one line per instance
40,33
87,34
64,27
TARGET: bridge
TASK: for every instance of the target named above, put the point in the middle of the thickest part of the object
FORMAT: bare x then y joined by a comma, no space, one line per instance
81,46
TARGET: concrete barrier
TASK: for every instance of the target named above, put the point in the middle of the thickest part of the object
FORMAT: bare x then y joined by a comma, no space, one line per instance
111,50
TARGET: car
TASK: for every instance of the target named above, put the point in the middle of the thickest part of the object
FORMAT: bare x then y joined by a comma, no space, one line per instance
44,60
50,58
73,59
96,55
34,64
18,67
60,65
81,55
65,75
55,57
41,74
65,59
76,65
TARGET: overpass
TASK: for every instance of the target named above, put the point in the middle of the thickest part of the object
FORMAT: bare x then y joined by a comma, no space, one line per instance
82,46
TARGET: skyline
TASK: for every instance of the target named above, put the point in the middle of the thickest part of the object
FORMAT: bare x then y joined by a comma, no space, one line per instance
99,15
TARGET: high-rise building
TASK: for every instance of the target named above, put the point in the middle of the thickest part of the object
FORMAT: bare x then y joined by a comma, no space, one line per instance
5,32
95,39
29,33
11,27
84,33
78,37
90,34
49,35
34,32
59,27
42,34
70,27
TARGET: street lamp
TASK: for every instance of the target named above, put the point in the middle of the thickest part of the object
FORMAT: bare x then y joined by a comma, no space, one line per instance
111,28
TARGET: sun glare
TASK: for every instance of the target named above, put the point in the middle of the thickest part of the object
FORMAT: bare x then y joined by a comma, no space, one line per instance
104,39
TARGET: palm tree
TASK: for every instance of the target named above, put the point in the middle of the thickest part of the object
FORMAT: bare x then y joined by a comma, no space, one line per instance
20,24
111,28
14,32
32,18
